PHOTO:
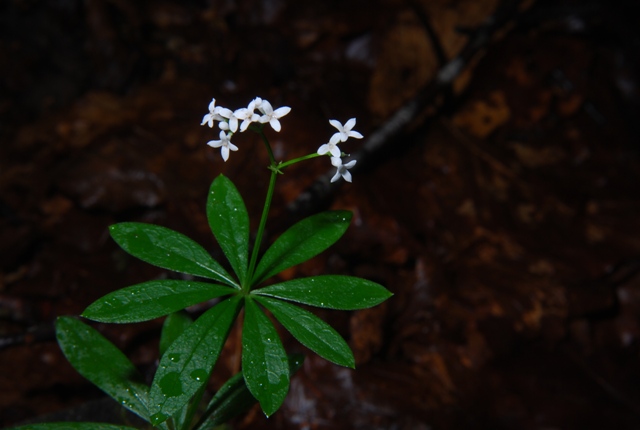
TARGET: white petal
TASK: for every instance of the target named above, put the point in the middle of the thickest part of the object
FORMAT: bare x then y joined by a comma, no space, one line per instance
225,113
337,162
335,138
323,149
224,125
346,175
233,124
335,151
355,134
266,107
350,164
275,124
212,105
281,111
214,143
349,124
225,153
336,176
232,147
241,113
343,137
336,124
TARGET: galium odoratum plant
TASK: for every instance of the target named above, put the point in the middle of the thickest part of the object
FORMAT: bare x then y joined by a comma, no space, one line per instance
189,349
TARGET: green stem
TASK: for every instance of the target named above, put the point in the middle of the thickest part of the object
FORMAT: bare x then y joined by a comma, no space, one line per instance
263,222
296,160
269,151
275,168
265,211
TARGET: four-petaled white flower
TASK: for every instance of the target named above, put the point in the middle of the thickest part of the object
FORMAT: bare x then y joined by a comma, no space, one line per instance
344,132
342,169
224,144
329,148
247,115
212,115
271,116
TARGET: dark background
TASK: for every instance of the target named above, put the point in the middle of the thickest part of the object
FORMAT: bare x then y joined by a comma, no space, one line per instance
499,204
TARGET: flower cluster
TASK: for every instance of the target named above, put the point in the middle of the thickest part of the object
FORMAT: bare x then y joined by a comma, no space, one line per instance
344,132
231,122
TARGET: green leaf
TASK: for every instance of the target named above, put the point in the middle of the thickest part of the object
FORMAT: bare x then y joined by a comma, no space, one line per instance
98,360
173,326
152,299
264,360
229,222
187,363
234,398
329,291
168,249
311,331
73,426
183,419
302,241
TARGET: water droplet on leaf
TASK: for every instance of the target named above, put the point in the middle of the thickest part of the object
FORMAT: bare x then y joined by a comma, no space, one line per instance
199,375
158,418
171,385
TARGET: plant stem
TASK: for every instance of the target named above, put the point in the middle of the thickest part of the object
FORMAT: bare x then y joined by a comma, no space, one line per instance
275,168
265,213
296,160
269,151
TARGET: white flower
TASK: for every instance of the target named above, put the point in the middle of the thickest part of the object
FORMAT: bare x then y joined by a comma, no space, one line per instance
272,116
224,144
344,132
342,169
212,115
230,117
330,148
247,115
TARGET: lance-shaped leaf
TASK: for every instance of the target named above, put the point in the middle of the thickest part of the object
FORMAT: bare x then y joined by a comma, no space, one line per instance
152,299
168,249
229,222
264,360
187,363
175,324
311,331
73,426
234,398
98,360
302,241
329,291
